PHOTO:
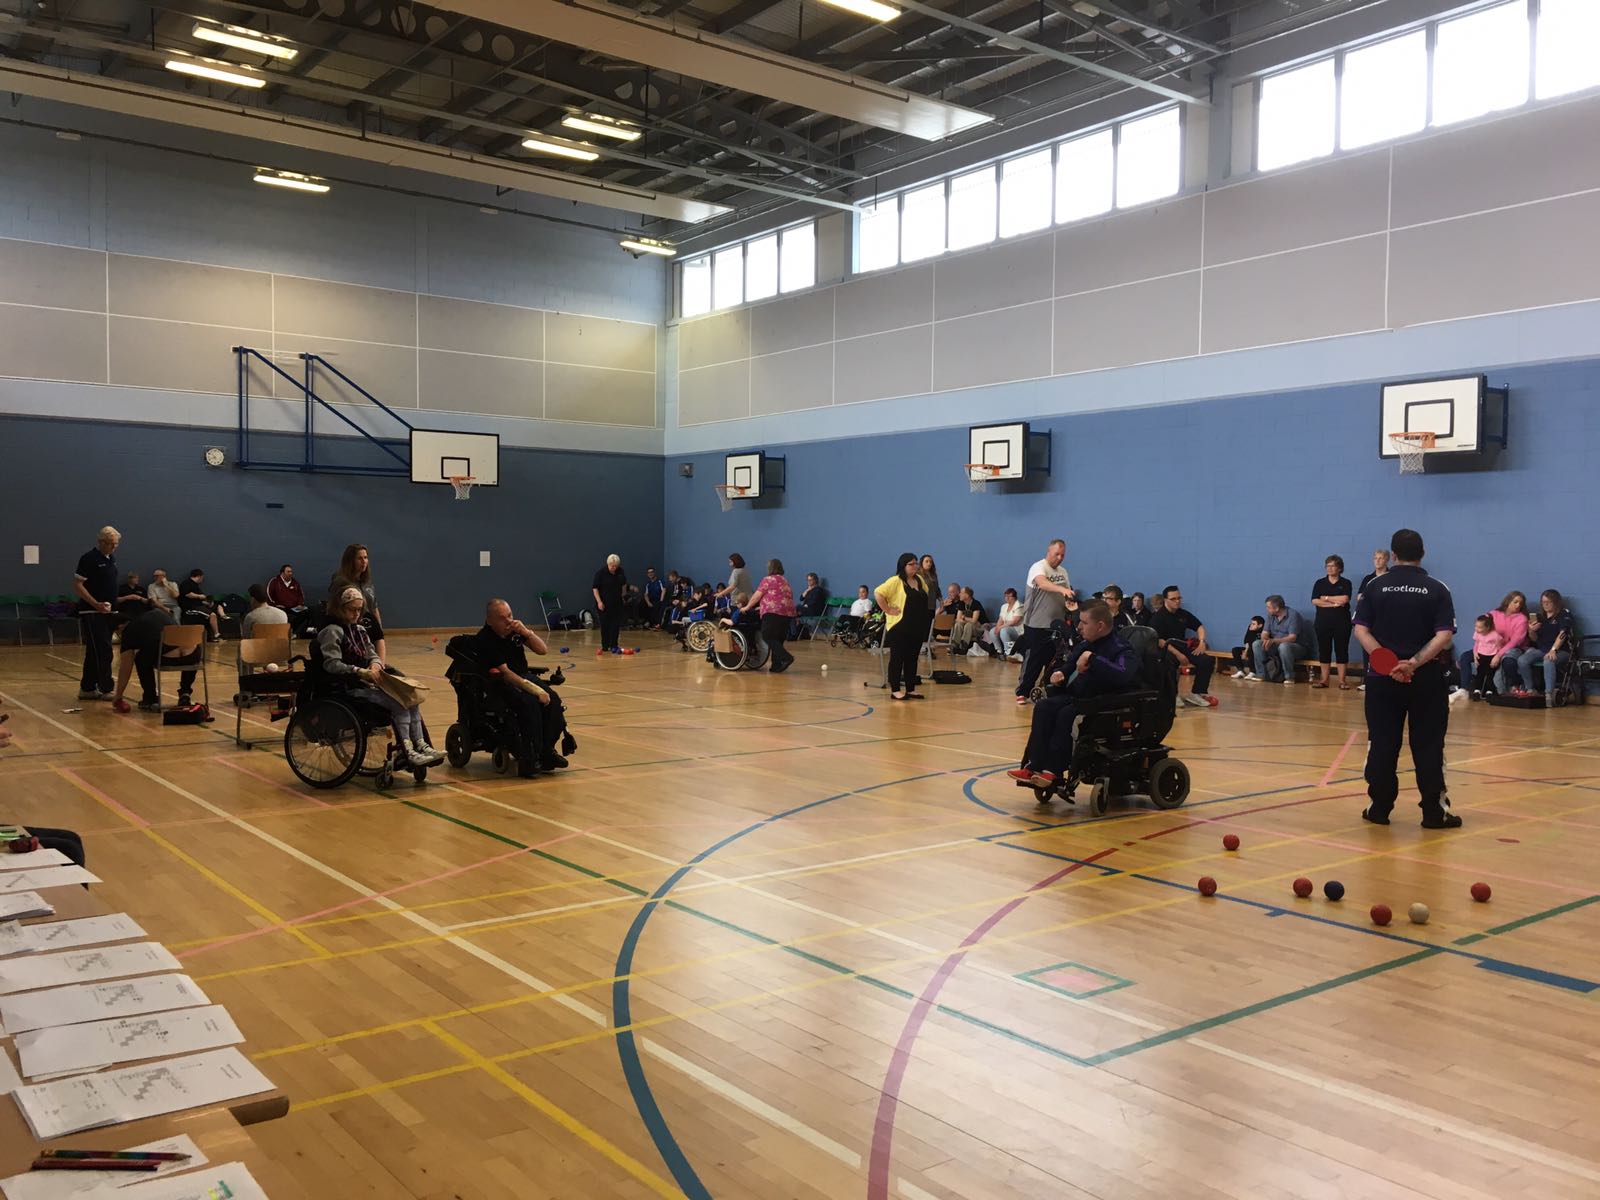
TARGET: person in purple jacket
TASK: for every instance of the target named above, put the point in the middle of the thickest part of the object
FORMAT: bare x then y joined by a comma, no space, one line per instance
1103,664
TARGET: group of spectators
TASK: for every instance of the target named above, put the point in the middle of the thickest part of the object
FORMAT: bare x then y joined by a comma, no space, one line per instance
113,607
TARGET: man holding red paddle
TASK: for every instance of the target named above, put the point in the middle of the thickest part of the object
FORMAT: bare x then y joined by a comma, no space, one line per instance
1405,620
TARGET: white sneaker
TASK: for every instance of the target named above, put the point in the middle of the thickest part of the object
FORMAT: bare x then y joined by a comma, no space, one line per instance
1288,683
1361,687
1245,676
423,755
1191,700
1457,694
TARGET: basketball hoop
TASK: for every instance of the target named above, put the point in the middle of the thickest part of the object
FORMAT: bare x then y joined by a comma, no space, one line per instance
463,485
1412,448
979,475
727,493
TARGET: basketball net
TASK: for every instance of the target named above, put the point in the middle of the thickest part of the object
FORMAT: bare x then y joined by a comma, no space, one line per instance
463,485
979,475
727,493
1412,449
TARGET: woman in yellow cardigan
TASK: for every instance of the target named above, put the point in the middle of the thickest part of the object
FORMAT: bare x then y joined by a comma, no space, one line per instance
905,602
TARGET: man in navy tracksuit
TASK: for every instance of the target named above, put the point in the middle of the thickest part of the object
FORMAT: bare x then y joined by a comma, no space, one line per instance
1413,614
1103,664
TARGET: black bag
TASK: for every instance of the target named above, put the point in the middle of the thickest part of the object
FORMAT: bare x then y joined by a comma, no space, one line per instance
951,677
186,714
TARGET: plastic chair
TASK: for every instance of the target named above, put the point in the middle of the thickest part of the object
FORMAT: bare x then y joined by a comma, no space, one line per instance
269,644
183,647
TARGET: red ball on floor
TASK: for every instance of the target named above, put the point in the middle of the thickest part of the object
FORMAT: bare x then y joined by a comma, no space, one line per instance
1230,841
1207,885
1481,892
1302,887
1381,914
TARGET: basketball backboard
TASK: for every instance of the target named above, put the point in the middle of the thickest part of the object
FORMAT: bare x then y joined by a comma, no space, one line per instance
1465,415
1004,446
437,455
747,471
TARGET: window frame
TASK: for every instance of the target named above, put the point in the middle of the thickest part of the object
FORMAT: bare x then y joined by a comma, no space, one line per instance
709,257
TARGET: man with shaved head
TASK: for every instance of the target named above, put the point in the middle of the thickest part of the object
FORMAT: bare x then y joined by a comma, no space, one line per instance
503,643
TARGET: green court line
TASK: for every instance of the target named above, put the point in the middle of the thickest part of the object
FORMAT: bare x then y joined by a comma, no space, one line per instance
1570,906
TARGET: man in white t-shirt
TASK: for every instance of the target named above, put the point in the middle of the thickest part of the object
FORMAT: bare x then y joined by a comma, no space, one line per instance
1044,603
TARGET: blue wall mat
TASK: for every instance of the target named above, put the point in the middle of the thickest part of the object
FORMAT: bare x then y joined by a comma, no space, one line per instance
1230,499
549,524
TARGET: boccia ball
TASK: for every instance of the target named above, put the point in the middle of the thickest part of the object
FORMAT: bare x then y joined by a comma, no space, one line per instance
1207,885
1481,892
1419,913
1302,887
1381,915
1333,890
273,667
566,649
824,668
1230,841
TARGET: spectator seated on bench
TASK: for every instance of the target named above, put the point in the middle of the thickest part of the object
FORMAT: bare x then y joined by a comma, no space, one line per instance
1284,641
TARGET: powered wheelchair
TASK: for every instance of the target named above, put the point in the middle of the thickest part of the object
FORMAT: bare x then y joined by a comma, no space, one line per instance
1118,750
486,721
335,734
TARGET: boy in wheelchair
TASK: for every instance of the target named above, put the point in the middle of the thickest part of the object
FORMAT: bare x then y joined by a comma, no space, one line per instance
1125,692
502,704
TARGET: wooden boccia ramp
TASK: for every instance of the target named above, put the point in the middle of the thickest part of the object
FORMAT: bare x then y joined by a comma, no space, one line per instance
779,937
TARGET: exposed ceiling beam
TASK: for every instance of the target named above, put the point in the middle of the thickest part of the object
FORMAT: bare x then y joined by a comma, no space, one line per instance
1122,14
1069,10
90,91
622,33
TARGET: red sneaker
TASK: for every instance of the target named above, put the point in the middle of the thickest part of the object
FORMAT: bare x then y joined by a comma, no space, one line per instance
121,706
1021,773
1042,779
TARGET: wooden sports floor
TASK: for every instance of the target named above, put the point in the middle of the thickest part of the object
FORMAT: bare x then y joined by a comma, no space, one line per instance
777,938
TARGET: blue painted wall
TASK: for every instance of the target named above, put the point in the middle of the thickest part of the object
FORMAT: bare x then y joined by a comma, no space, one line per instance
1231,499
549,525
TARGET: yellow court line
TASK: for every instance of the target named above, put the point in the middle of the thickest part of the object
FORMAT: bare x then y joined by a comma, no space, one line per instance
209,875
560,1116
938,955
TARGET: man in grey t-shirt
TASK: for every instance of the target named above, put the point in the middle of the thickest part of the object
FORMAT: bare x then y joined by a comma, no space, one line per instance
1044,604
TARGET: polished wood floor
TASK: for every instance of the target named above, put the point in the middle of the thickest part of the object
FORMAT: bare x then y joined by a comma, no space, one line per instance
777,936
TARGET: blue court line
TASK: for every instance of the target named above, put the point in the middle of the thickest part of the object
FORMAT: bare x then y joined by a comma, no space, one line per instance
1533,974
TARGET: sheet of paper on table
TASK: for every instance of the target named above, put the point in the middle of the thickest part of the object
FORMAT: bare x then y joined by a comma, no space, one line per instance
85,966
150,1090
84,931
76,1185
44,877
14,906
232,1180
33,858
124,1039
10,1081
98,1001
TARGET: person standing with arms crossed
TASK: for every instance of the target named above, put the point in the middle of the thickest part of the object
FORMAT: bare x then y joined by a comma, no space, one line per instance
1044,603
1407,611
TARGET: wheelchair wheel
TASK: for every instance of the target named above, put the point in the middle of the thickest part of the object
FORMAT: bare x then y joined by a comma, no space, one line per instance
420,774
457,747
732,660
1100,796
324,744
1169,783
757,655
698,635
503,760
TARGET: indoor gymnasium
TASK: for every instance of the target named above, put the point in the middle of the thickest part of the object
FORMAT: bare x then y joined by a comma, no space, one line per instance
729,599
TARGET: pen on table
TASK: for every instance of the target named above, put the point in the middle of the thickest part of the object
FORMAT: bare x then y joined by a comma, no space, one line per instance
151,1155
95,1164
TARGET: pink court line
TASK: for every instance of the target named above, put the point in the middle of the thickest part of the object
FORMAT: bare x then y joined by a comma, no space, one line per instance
116,806
282,787
1338,758
889,1094
415,883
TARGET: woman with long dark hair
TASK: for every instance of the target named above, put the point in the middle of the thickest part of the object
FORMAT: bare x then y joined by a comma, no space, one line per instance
1550,645
355,571
906,603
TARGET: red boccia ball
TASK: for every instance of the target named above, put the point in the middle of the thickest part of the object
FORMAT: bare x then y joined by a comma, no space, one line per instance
1230,841
1207,885
1381,914
1481,892
1302,887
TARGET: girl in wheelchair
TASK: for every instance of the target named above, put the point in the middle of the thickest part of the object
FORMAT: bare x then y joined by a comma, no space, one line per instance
347,656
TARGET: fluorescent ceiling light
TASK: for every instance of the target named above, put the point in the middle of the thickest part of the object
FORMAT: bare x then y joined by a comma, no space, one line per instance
210,68
560,149
602,127
290,179
646,245
867,8
245,39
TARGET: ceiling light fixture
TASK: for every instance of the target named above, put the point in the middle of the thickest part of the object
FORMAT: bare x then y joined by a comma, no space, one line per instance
870,9
644,245
221,72
292,180
245,39
602,127
559,149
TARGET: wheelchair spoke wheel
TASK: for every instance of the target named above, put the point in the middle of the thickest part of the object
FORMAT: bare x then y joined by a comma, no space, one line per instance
757,655
324,744
698,636
733,658
1169,783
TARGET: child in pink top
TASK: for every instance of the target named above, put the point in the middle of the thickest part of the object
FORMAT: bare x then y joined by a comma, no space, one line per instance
1488,643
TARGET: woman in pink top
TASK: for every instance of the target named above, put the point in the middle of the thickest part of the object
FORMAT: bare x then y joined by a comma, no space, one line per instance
776,600
1511,623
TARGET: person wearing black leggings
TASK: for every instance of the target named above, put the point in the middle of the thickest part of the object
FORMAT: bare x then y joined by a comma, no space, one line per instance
1331,597
905,602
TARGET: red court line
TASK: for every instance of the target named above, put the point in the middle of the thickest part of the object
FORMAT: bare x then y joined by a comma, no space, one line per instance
889,1094
415,883
282,787
114,805
1338,758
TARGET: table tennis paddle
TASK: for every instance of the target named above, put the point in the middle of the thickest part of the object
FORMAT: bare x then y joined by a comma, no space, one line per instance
1383,660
